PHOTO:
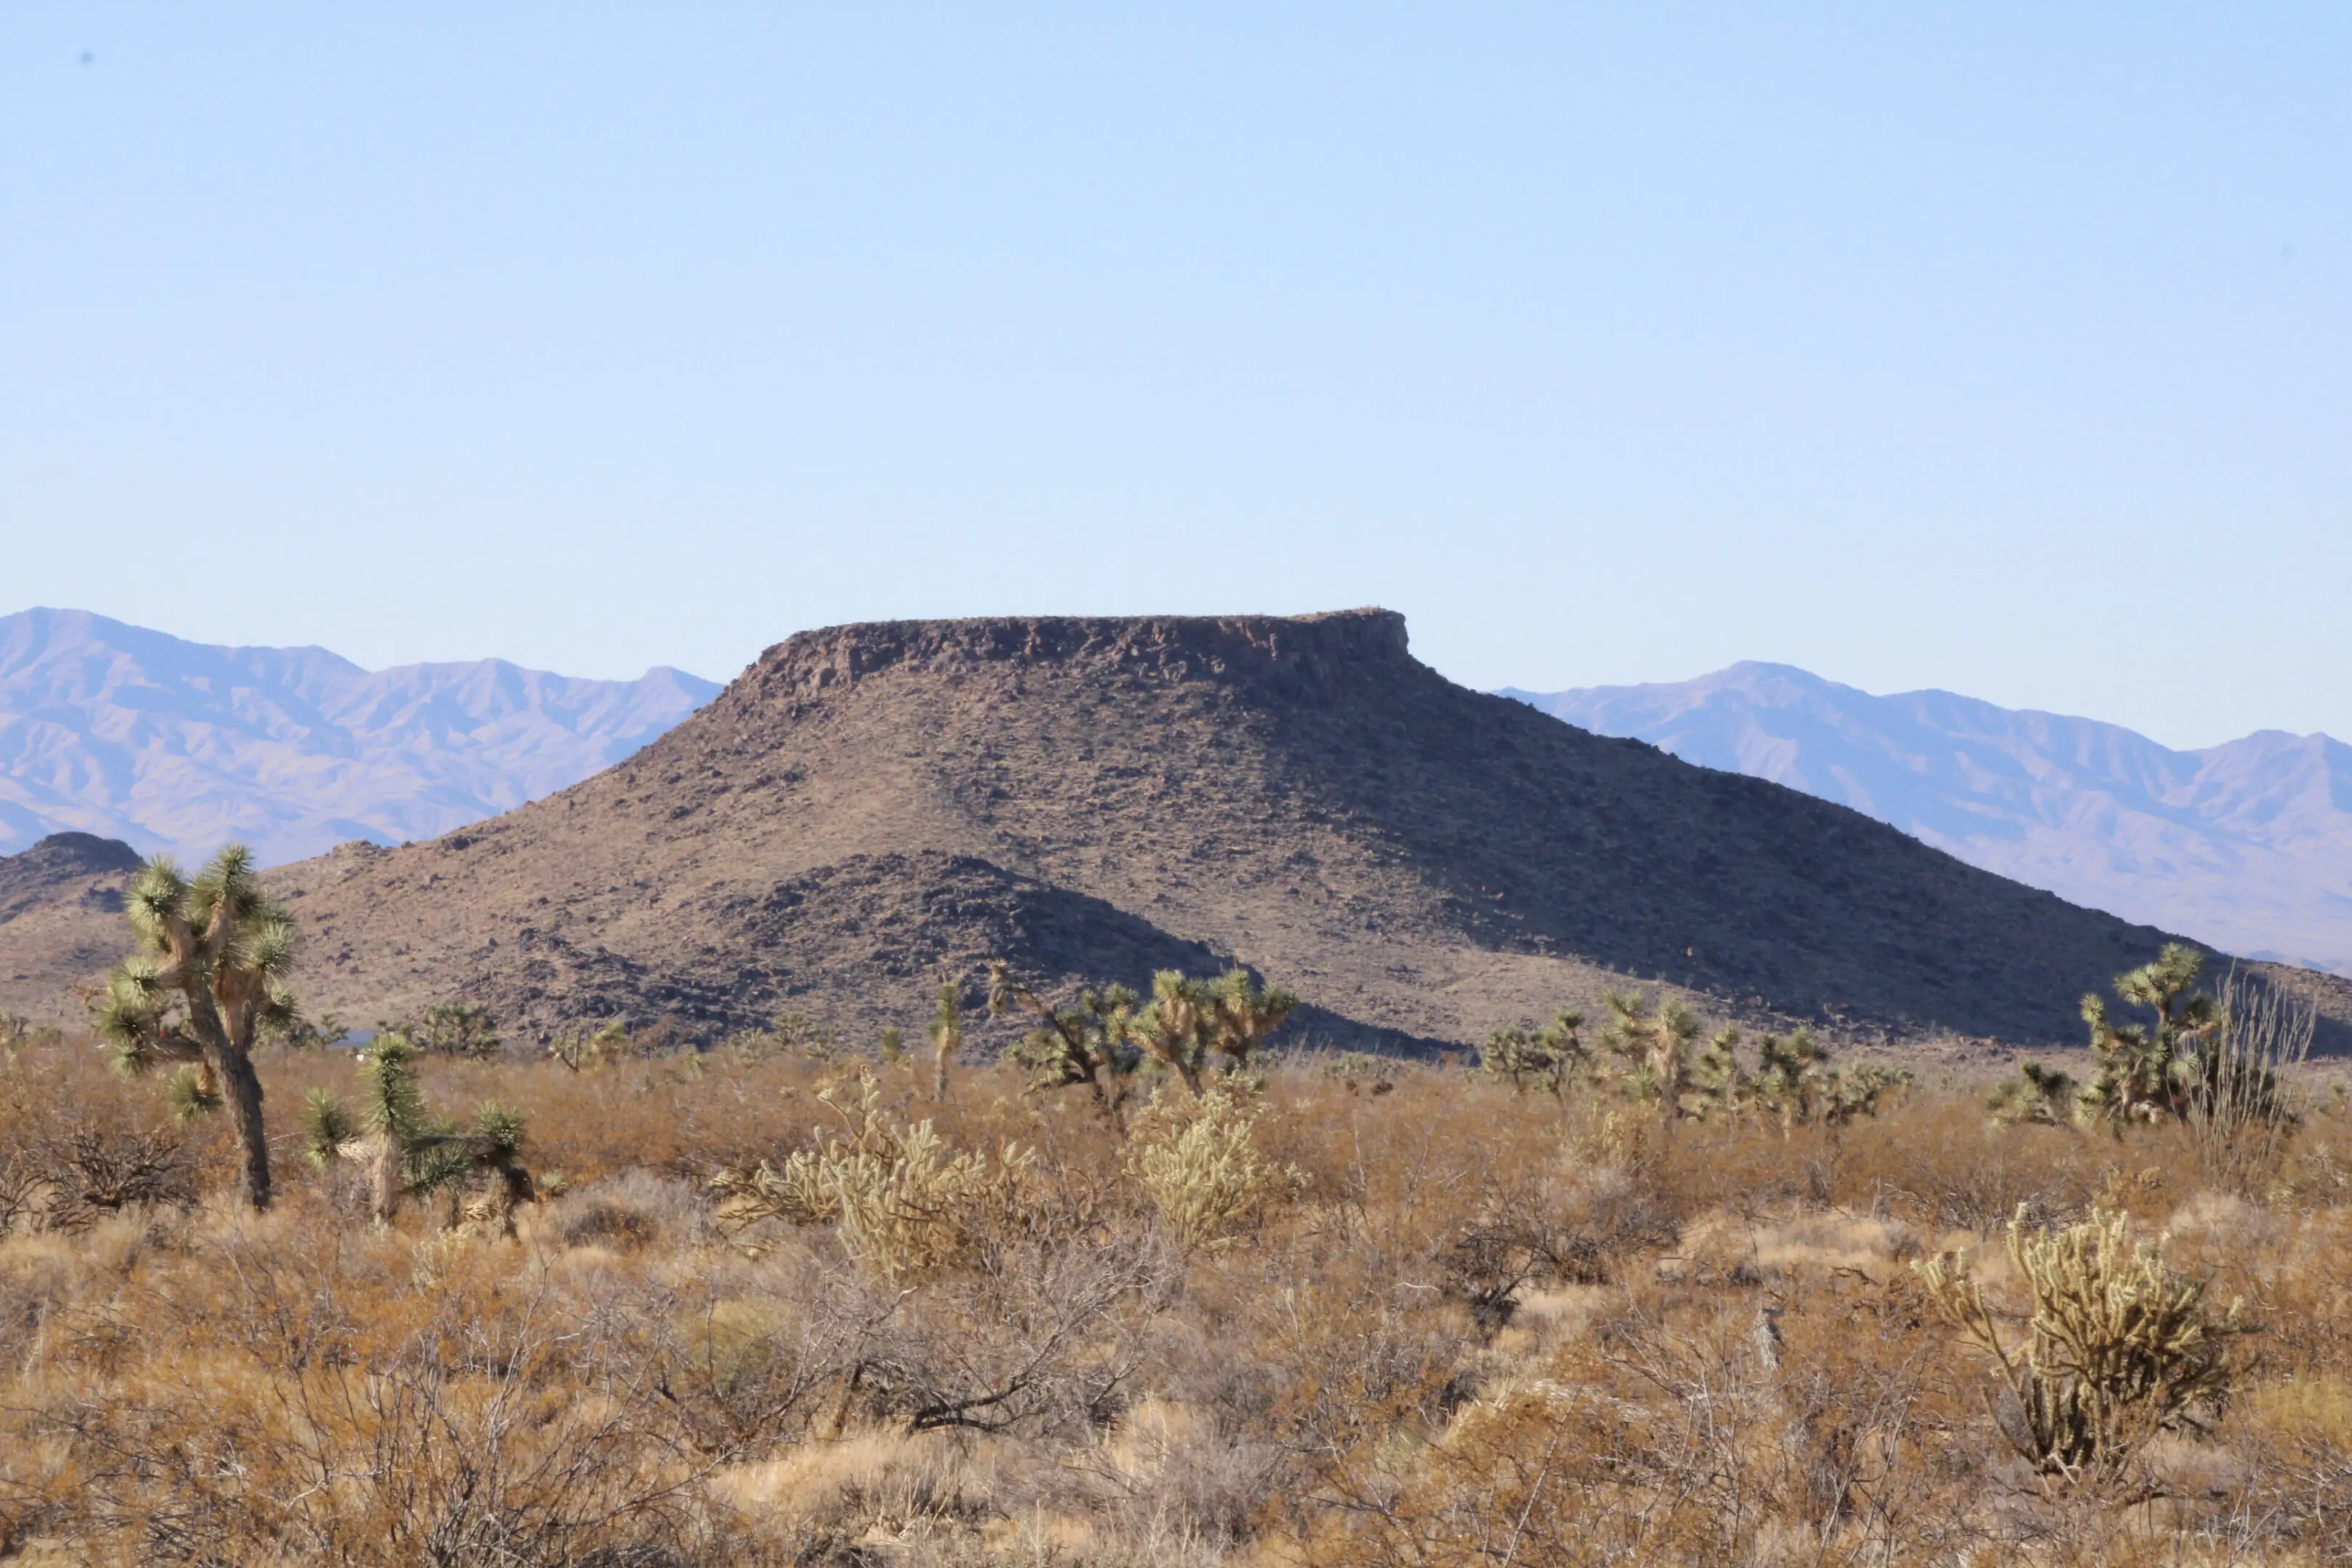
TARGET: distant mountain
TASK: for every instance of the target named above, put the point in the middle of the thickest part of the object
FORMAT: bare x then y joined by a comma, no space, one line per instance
132,734
2246,847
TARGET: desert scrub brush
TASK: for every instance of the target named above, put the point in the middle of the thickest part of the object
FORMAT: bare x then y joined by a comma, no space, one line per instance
904,1204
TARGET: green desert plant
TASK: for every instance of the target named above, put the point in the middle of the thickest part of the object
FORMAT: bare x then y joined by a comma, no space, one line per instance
453,1029
1086,1042
1653,1045
2119,1347
1792,1079
407,1151
906,1205
2037,1094
1719,1083
208,977
295,1032
1178,1028
946,1030
2150,1073
1243,1014
578,1048
1553,1056
1362,1072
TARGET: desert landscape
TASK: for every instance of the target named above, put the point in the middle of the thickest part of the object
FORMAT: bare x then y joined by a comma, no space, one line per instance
1126,1090
1171,786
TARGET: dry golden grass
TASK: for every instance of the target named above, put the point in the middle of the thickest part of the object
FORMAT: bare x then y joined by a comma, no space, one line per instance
1465,1326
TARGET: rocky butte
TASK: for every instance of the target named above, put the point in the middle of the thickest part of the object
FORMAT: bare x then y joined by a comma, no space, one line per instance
870,808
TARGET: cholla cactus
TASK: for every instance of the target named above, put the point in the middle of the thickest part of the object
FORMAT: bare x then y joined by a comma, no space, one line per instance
905,1205
1552,1056
2150,1074
1653,1047
1199,1161
406,1150
2119,1347
208,977
1084,1042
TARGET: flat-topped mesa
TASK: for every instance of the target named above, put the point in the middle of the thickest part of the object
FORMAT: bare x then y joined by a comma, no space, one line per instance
1304,656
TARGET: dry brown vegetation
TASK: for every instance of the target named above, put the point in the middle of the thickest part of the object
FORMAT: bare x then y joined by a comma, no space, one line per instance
1400,1317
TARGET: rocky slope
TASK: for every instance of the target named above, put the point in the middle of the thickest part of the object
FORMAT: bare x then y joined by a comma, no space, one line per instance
2245,846
110,729
61,921
870,806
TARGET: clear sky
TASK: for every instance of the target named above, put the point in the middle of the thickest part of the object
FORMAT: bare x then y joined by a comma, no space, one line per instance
2000,348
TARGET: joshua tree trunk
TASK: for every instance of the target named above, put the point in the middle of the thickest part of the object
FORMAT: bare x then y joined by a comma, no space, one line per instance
241,1088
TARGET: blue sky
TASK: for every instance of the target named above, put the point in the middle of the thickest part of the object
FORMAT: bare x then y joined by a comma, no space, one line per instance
2006,349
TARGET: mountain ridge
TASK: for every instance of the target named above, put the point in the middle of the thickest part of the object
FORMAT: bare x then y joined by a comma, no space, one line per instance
130,734
2246,846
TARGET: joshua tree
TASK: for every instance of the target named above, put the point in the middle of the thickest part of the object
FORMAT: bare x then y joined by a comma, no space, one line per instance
946,1036
405,1148
1792,1079
1242,1014
1178,1027
2046,1095
209,974
1084,1042
1719,1082
2150,1074
1656,1047
453,1029
1551,1055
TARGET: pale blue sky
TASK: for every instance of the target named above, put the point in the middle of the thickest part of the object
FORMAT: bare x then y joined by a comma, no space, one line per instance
2007,349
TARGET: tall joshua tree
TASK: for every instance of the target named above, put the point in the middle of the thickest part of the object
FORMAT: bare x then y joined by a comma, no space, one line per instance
1244,1014
209,974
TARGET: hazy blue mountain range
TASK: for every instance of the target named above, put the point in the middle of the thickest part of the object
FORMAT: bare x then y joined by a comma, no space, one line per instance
172,745
2246,847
